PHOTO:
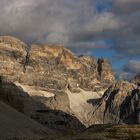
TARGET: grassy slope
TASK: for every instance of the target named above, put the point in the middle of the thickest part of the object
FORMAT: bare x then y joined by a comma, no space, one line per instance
107,132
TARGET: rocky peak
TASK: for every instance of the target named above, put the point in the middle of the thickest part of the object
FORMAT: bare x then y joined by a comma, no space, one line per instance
63,55
13,48
12,42
88,62
122,103
105,71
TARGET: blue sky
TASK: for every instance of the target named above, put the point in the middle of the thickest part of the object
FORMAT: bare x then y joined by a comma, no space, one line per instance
101,28
102,6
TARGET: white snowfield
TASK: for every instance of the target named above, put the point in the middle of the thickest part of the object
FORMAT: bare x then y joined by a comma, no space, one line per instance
33,91
79,103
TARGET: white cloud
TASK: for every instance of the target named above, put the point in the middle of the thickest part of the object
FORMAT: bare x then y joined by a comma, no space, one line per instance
44,19
54,21
133,66
102,22
126,6
131,69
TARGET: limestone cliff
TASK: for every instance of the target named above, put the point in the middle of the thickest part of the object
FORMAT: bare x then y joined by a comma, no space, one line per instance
105,71
54,63
12,57
120,104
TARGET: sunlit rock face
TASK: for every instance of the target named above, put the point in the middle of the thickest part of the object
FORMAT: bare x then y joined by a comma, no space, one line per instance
51,57
50,64
12,57
45,65
61,64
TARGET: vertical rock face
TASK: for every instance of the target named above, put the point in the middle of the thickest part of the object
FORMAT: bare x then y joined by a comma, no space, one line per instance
105,71
12,95
50,65
54,55
119,105
123,102
12,57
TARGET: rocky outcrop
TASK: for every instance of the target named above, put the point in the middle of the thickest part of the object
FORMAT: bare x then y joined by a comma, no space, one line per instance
120,104
12,95
12,57
105,71
50,66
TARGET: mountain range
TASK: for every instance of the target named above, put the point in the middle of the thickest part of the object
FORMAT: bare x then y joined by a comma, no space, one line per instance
47,92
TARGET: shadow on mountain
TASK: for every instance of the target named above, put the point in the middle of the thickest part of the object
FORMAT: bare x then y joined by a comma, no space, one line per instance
21,101
129,109
57,120
110,101
12,95
94,102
